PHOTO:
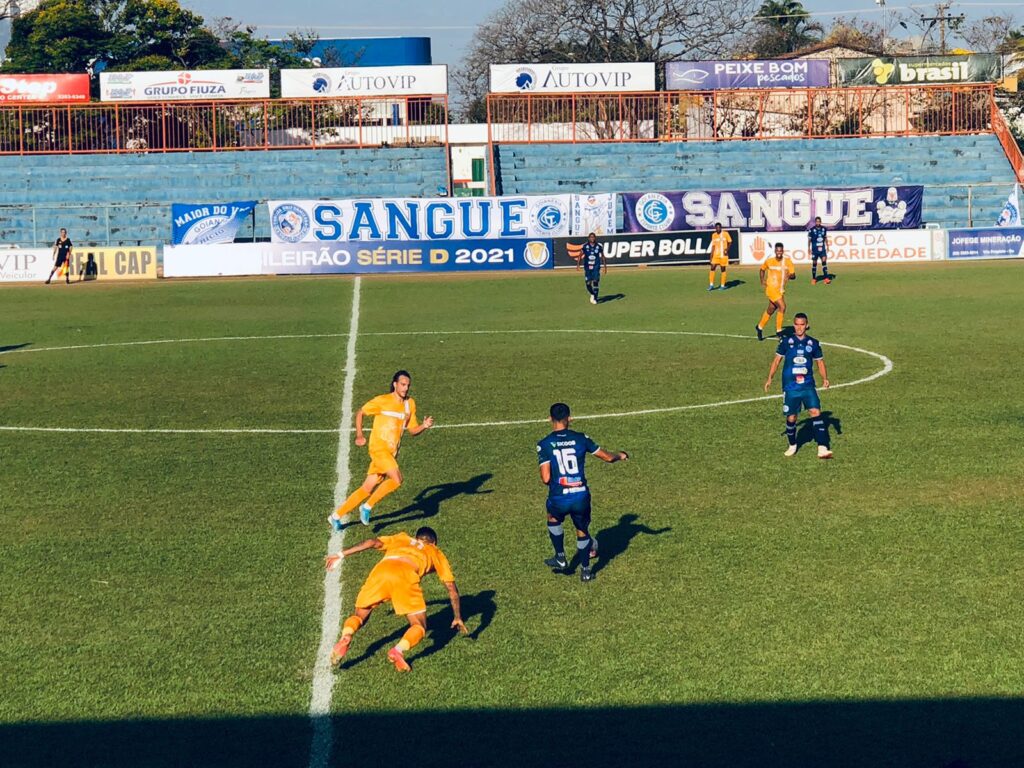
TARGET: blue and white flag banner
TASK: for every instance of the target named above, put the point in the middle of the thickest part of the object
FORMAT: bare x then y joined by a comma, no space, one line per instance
593,213
1010,215
205,223
436,218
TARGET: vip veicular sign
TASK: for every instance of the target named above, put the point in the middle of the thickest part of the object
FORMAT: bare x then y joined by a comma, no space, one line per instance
88,263
572,78
774,209
199,223
844,247
369,257
764,73
439,218
187,85
43,88
915,70
365,81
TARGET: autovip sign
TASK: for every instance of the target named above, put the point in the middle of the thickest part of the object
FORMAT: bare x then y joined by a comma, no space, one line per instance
43,88
571,78
190,85
660,248
365,81
864,246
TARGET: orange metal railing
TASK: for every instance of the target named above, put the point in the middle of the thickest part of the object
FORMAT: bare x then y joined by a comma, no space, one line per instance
224,125
1010,146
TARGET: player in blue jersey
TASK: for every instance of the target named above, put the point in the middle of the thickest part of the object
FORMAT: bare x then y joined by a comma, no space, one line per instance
593,262
797,353
561,456
817,238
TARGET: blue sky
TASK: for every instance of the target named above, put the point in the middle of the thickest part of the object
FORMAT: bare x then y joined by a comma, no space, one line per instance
450,23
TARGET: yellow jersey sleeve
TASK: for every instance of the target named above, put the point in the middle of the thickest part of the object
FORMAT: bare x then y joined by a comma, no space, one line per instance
413,422
790,268
391,542
441,566
372,408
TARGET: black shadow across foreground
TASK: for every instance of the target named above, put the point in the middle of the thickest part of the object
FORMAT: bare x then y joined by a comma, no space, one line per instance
942,733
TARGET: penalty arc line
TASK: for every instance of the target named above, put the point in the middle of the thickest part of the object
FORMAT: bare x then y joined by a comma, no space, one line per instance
323,677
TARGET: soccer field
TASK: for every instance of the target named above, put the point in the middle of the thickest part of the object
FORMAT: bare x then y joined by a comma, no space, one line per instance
162,569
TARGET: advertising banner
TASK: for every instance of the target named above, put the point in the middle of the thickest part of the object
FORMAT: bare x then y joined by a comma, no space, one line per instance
572,78
1001,243
655,248
201,223
48,88
844,247
764,73
774,210
87,264
365,81
370,257
593,213
419,218
191,85
916,70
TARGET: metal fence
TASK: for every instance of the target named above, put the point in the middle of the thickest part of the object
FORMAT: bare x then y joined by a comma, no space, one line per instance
224,125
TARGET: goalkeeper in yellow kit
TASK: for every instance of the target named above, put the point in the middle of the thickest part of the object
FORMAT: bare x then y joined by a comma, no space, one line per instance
393,415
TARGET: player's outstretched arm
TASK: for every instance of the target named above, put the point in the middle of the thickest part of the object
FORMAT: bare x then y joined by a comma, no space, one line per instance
360,437
453,596
771,371
333,561
824,374
611,456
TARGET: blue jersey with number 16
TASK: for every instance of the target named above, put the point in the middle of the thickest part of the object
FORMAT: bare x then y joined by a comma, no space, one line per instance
566,451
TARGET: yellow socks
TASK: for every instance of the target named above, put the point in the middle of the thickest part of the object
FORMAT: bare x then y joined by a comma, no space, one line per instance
724,278
381,491
711,278
779,320
351,626
354,500
412,636
764,320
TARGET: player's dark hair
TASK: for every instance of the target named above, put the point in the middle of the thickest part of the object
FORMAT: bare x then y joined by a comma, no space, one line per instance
559,412
800,316
779,245
397,376
592,234
718,223
817,218
427,533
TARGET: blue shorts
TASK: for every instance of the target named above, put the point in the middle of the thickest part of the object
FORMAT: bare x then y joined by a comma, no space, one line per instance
797,399
592,277
577,508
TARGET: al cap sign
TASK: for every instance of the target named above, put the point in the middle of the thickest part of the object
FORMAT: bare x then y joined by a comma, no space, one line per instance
915,70
572,78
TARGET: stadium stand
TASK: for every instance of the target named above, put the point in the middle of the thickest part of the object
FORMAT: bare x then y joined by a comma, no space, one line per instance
136,190
950,168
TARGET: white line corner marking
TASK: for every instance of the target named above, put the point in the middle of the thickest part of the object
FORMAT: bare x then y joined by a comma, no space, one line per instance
323,677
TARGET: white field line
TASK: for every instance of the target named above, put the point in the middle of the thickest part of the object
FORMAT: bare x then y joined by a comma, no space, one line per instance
323,677
887,366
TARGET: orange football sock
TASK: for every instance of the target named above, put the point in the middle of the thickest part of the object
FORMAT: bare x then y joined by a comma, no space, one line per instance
724,277
354,500
779,321
351,625
711,277
382,490
764,320
412,636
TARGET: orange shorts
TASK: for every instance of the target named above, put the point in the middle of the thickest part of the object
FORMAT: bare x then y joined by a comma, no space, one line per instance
381,462
774,296
393,580
719,261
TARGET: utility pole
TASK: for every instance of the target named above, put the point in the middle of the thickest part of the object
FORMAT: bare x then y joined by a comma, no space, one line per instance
942,18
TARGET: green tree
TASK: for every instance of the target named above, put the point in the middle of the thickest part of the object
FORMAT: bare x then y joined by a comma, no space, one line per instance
58,36
784,27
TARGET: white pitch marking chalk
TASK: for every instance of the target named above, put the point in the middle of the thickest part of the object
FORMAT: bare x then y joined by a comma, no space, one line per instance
323,677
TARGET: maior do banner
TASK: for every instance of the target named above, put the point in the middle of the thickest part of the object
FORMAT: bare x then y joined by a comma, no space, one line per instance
774,210
440,218
201,223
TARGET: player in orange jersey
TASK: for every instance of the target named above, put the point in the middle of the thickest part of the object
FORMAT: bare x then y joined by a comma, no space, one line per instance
407,559
393,414
720,241
775,271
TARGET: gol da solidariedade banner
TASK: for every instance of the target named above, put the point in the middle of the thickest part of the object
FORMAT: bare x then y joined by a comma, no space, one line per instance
908,70
440,218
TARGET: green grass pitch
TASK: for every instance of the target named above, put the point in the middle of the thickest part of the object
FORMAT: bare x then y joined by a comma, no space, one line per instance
161,593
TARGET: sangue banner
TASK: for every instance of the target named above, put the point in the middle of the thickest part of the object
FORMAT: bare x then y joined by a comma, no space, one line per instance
191,85
1000,243
572,78
844,247
438,218
372,257
907,70
764,73
653,248
773,209
102,264
365,81
200,223
48,88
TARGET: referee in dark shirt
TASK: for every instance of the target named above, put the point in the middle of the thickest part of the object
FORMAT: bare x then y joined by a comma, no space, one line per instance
62,255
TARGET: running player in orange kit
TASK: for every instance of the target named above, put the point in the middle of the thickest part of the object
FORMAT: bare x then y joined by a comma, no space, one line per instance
775,271
393,414
396,577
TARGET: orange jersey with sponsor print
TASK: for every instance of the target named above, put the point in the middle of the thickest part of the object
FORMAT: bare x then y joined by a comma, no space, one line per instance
391,417
420,555
720,244
777,272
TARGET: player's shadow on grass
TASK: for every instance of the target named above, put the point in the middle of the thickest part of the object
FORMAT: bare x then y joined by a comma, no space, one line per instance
12,347
477,612
610,297
805,428
734,284
614,541
428,501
